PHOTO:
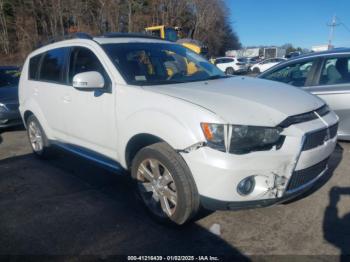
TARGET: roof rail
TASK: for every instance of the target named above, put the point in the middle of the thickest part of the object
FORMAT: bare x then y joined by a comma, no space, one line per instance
137,35
82,35
78,35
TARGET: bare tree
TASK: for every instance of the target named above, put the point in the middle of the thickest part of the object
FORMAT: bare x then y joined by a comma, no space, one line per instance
25,23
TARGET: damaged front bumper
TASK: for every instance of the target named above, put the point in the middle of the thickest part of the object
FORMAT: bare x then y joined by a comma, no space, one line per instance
213,204
280,175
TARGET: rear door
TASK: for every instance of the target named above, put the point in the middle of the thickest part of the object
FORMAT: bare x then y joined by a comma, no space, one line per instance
223,63
332,84
49,88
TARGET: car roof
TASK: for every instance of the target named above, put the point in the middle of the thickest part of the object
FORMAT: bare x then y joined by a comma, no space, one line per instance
333,51
108,38
112,40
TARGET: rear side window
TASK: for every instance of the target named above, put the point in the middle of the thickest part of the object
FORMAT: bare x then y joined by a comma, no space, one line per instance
335,71
34,67
293,74
52,65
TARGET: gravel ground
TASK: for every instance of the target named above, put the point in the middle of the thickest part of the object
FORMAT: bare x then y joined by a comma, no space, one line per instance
69,206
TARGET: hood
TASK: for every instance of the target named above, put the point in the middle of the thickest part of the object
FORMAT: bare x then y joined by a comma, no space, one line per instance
244,100
9,94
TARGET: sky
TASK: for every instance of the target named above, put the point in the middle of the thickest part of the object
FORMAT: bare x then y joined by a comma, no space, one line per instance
299,22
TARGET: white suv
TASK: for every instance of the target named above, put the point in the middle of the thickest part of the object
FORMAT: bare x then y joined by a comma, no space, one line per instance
190,136
231,65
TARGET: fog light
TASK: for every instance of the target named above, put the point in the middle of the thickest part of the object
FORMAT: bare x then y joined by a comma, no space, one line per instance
246,186
3,121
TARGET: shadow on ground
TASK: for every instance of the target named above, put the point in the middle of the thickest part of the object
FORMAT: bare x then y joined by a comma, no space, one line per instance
336,229
69,206
9,129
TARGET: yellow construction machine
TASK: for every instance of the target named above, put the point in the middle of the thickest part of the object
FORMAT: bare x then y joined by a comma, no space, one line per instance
173,34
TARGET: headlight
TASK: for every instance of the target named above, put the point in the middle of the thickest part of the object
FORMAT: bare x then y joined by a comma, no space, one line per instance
3,108
215,135
242,139
245,139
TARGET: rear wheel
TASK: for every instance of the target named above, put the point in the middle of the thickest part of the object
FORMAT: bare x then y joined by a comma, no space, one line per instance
165,184
37,137
256,70
230,71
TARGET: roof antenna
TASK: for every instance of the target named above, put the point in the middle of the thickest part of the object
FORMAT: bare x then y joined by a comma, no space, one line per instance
332,26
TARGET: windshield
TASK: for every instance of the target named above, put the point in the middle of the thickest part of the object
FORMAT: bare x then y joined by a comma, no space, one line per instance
160,63
9,77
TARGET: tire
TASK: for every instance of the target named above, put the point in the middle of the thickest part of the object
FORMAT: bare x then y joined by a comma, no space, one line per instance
256,70
175,198
37,138
229,71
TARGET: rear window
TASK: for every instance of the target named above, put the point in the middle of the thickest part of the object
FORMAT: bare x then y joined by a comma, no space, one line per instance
52,65
33,67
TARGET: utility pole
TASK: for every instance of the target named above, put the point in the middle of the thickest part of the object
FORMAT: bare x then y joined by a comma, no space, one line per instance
332,26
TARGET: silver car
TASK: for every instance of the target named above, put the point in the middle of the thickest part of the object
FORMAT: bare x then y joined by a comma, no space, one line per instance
325,74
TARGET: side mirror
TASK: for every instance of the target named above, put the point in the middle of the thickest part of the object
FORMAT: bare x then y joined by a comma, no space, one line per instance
88,80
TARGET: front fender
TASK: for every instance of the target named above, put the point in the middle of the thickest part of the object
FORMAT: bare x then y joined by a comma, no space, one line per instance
179,134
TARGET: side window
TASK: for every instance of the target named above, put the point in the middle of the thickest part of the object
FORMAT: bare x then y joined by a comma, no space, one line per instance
293,74
84,60
33,67
335,70
218,61
52,65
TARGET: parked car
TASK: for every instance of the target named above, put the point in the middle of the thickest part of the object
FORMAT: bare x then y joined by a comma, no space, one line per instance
266,64
231,65
292,54
326,74
188,140
251,61
9,113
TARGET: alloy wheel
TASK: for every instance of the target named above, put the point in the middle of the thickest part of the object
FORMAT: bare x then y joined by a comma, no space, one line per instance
35,136
157,187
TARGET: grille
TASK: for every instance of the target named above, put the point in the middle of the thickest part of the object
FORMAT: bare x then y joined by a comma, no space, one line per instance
302,177
318,138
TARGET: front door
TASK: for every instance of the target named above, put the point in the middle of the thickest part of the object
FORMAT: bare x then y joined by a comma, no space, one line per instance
92,122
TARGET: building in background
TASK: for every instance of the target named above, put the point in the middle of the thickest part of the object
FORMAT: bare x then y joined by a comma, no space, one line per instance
320,48
261,52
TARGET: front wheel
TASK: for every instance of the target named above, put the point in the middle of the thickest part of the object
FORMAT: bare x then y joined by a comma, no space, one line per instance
256,70
165,184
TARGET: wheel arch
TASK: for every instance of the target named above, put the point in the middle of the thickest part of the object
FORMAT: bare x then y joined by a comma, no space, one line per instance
26,115
136,143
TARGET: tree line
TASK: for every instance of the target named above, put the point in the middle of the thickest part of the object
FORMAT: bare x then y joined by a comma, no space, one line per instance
24,24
